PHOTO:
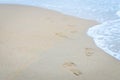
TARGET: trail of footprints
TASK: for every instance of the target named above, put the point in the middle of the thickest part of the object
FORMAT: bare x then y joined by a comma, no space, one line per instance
72,67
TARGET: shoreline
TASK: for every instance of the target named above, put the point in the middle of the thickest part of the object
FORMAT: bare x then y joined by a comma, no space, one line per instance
38,43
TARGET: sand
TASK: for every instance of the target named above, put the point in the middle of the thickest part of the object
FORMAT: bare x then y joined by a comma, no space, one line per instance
40,44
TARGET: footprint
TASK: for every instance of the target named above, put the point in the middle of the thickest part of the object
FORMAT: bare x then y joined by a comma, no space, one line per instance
74,31
73,68
89,51
61,35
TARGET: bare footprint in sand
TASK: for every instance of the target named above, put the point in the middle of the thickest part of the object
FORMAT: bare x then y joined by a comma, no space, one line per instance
89,51
60,34
73,68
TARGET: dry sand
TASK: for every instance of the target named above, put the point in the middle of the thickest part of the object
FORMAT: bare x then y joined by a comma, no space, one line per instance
39,44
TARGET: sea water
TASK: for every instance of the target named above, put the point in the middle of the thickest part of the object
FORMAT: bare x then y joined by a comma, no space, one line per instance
100,10
105,35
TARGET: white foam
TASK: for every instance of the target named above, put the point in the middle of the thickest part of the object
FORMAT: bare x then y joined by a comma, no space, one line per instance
118,13
107,37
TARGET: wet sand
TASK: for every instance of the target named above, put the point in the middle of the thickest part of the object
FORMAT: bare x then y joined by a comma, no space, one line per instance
40,44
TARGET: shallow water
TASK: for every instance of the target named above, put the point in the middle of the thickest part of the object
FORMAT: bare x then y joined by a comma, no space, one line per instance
107,12
107,37
100,10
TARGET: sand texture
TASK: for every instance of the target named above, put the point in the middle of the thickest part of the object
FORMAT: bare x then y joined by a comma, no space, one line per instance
40,44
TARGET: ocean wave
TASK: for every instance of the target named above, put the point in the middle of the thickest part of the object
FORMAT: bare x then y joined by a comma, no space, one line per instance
107,37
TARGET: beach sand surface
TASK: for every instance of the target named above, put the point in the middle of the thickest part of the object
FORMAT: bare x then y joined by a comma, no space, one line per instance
40,44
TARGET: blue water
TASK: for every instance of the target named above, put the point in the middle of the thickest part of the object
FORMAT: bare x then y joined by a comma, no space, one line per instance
100,10
107,12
